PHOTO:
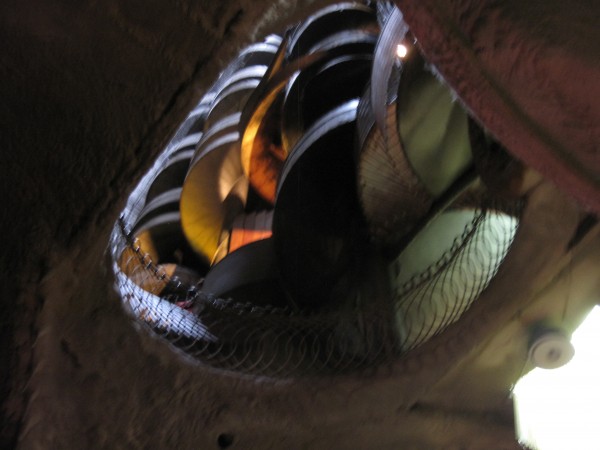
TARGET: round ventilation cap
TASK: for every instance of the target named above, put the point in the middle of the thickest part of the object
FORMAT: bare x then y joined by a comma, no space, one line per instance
551,350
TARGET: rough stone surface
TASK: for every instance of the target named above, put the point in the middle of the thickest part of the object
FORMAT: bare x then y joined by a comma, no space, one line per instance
90,93
529,72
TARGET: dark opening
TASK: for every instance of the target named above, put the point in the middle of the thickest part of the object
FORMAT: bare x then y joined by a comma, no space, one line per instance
225,440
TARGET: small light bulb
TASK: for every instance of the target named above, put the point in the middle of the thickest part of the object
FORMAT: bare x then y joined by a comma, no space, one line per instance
401,50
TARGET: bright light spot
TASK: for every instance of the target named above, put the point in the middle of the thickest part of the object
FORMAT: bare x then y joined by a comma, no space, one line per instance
401,50
560,409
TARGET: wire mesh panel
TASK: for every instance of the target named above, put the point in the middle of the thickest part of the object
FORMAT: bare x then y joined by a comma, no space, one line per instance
285,341
470,246
243,337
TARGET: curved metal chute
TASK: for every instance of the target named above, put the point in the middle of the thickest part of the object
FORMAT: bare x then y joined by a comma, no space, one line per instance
157,229
316,222
265,142
171,176
346,34
319,89
415,145
433,127
248,274
215,188
328,21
